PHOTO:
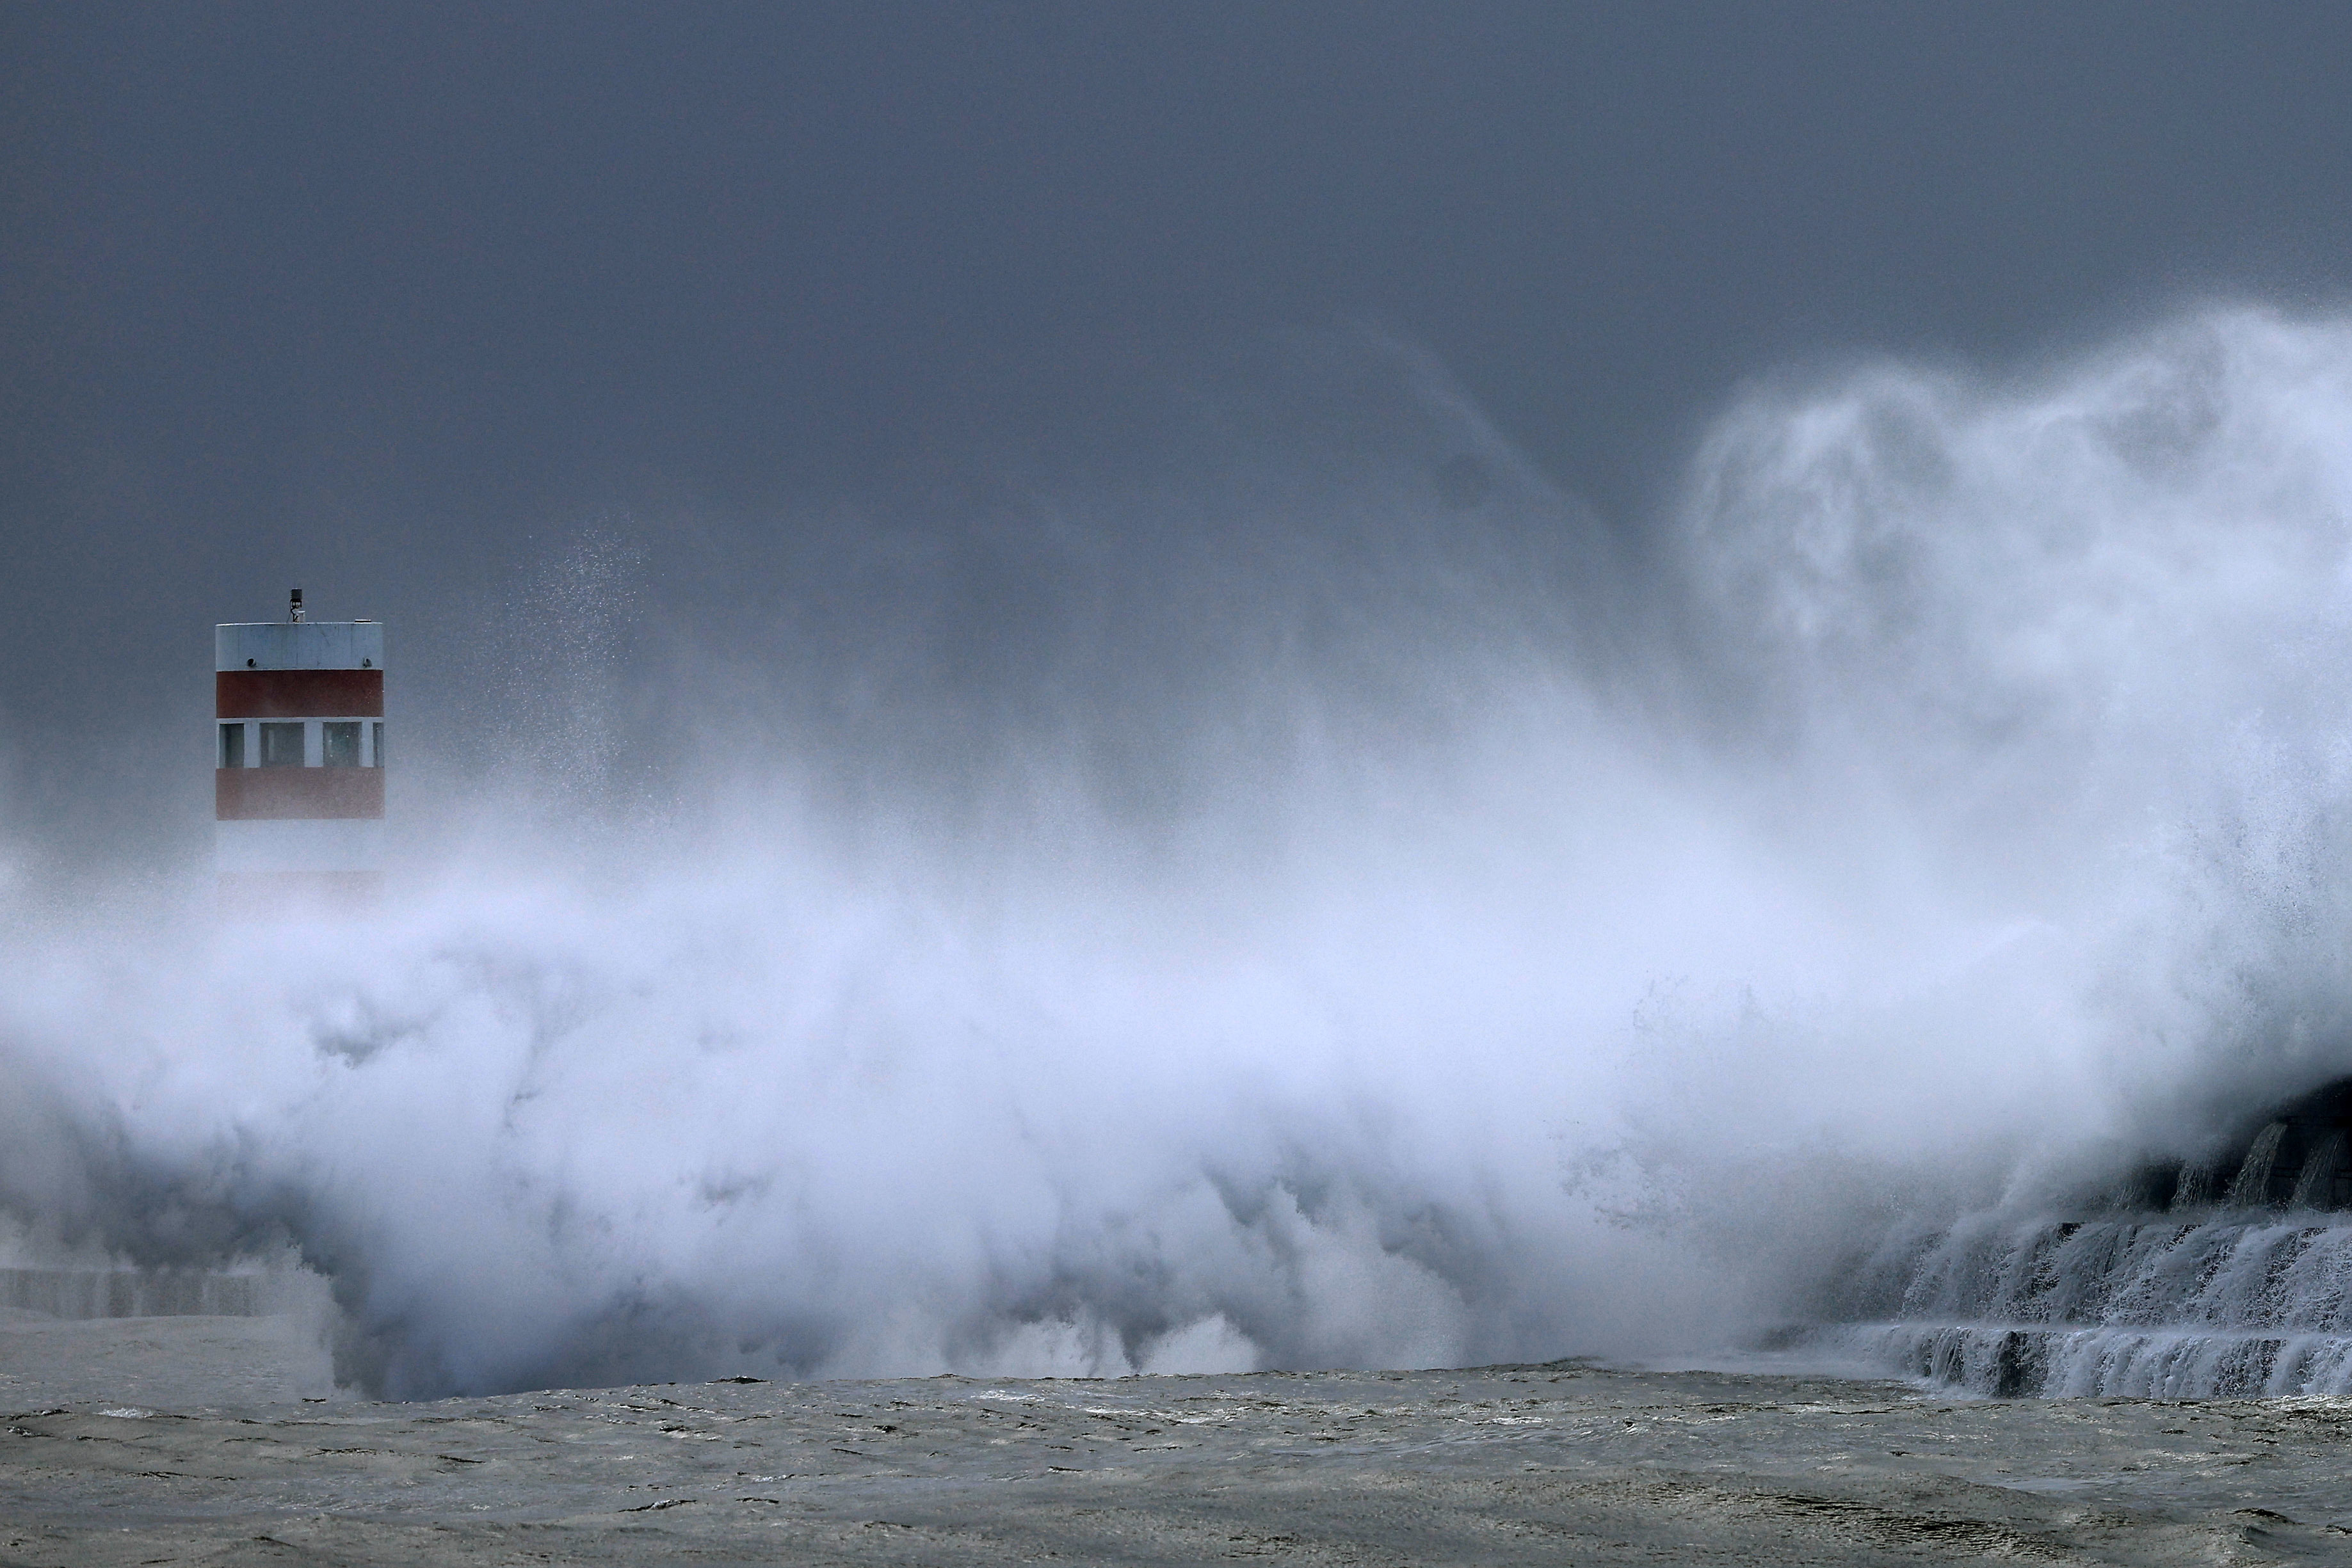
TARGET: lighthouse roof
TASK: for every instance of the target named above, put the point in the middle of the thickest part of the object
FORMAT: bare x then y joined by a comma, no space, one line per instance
300,645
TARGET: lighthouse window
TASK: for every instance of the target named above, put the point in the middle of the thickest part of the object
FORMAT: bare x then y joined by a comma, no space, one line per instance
340,743
281,746
378,743
232,752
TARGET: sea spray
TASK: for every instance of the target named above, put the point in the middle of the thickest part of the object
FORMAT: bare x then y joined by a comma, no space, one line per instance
1309,914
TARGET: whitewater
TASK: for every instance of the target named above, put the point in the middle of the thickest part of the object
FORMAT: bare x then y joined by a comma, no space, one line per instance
1272,908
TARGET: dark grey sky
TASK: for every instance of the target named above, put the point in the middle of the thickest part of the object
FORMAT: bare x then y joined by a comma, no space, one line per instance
370,293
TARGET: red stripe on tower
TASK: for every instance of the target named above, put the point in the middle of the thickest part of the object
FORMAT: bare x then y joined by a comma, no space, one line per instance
298,789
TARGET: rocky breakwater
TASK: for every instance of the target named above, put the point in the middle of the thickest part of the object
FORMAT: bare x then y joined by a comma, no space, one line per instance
2231,1276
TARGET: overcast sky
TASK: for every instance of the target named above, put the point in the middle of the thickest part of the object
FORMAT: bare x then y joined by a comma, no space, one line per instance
367,294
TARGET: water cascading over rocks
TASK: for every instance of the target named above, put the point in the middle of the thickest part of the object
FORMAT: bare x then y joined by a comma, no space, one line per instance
2226,1277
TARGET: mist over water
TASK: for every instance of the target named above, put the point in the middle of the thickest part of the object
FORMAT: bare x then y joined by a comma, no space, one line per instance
1311,896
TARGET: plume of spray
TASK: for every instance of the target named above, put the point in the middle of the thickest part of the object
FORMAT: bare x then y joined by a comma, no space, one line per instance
2053,672
1309,897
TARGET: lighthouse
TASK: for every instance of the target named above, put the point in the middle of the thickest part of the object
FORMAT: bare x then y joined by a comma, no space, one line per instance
298,766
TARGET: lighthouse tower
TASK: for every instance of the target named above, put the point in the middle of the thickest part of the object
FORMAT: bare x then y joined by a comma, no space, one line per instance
299,785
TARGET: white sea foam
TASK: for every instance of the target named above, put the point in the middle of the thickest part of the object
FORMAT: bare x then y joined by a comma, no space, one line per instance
1332,923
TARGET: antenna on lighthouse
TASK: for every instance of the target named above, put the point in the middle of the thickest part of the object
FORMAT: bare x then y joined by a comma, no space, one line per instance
294,610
